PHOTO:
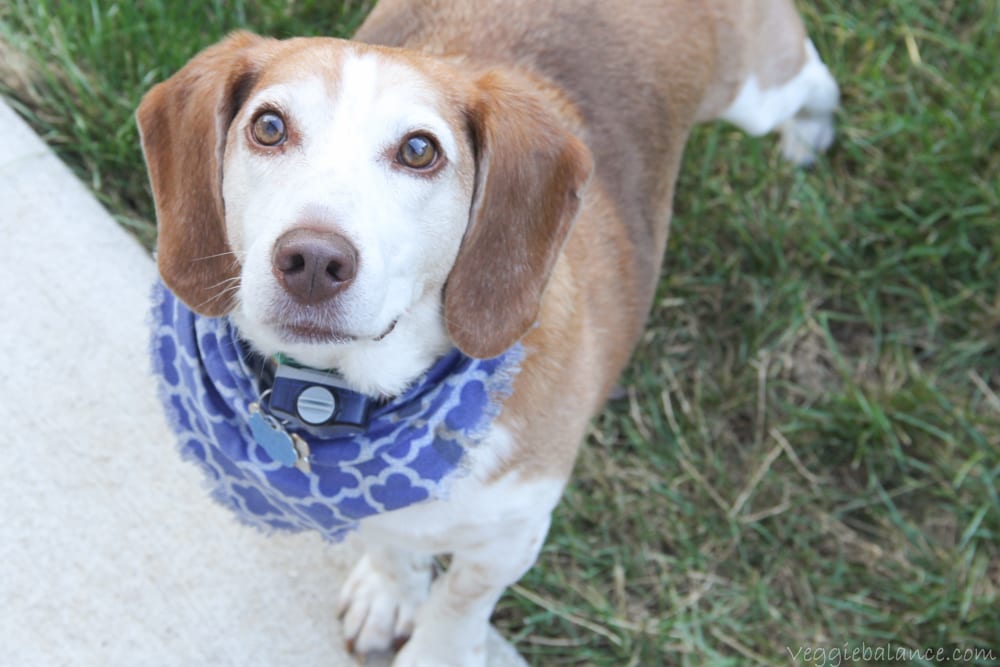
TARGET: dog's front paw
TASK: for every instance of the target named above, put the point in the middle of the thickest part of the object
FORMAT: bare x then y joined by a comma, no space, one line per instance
379,602
431,649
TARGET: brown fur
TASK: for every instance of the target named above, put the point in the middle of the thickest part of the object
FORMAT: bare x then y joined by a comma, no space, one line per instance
530,176
636,107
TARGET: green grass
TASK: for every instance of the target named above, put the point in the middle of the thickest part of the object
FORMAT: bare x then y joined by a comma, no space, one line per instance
810,448
77,70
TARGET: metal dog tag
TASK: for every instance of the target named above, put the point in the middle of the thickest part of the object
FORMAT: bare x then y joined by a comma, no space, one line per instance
272,436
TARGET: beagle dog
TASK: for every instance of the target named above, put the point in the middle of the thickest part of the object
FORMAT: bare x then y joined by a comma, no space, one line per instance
463,178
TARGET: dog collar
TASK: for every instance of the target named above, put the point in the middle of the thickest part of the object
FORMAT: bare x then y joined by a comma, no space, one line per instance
411,450
296,399
317,402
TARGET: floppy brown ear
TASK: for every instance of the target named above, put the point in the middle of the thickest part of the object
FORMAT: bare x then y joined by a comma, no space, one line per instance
530,174
183,123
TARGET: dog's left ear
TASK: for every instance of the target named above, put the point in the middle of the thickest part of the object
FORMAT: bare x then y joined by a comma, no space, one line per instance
530,175
183,123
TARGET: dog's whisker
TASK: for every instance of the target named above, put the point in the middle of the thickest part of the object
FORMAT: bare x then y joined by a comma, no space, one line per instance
227,253
226,288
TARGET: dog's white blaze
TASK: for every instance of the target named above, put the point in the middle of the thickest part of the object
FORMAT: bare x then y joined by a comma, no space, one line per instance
407,228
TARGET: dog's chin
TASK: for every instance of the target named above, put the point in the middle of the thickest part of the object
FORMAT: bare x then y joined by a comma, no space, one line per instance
311,334
314,334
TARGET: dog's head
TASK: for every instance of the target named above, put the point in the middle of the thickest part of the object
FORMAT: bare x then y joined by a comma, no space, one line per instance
350,205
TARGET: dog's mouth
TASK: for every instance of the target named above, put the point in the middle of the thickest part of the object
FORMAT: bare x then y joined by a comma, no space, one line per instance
295,332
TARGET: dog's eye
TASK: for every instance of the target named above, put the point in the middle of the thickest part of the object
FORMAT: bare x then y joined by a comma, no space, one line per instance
269,129
417,152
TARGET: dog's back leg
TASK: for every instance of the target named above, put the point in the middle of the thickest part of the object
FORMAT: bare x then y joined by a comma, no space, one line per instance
785,85
810,131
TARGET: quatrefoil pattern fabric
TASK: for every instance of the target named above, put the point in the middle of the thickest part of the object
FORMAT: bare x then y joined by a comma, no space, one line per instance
415,447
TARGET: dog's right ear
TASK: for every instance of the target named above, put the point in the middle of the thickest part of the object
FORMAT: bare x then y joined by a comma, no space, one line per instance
183,123
531,173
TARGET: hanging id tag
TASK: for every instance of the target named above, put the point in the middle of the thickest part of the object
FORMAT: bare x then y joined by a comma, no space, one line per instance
287,449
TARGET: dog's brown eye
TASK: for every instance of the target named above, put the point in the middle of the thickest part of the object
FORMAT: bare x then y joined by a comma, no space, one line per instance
417,152
269,129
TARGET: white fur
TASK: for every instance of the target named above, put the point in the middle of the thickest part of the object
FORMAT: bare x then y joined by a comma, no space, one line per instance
406,228
802,107
380,599
493,530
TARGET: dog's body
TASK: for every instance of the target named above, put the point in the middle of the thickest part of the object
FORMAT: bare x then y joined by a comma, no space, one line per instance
556,131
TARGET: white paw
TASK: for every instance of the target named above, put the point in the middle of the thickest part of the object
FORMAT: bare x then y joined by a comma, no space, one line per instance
377,608
805,136
427,649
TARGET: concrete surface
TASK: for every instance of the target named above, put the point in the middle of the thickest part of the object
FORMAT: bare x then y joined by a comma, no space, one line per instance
111,553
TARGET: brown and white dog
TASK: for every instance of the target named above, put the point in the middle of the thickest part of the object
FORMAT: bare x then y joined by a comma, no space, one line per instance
478,173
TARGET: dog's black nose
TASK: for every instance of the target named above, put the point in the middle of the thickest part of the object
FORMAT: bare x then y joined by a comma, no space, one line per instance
313,265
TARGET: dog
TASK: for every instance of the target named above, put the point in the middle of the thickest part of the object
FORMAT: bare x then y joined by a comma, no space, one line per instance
467,193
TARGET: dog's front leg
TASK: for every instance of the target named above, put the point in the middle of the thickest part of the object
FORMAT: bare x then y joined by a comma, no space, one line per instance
379,600
451,626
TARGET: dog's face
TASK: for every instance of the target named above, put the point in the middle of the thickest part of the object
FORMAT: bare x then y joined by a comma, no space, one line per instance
347,185
355,207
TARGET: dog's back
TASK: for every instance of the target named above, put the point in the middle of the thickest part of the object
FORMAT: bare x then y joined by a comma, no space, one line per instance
635,82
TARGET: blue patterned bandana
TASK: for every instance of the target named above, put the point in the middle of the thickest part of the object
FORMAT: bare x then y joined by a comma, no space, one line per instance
414,446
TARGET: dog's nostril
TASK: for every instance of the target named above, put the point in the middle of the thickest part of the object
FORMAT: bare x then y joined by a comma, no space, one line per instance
338,271
292,263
